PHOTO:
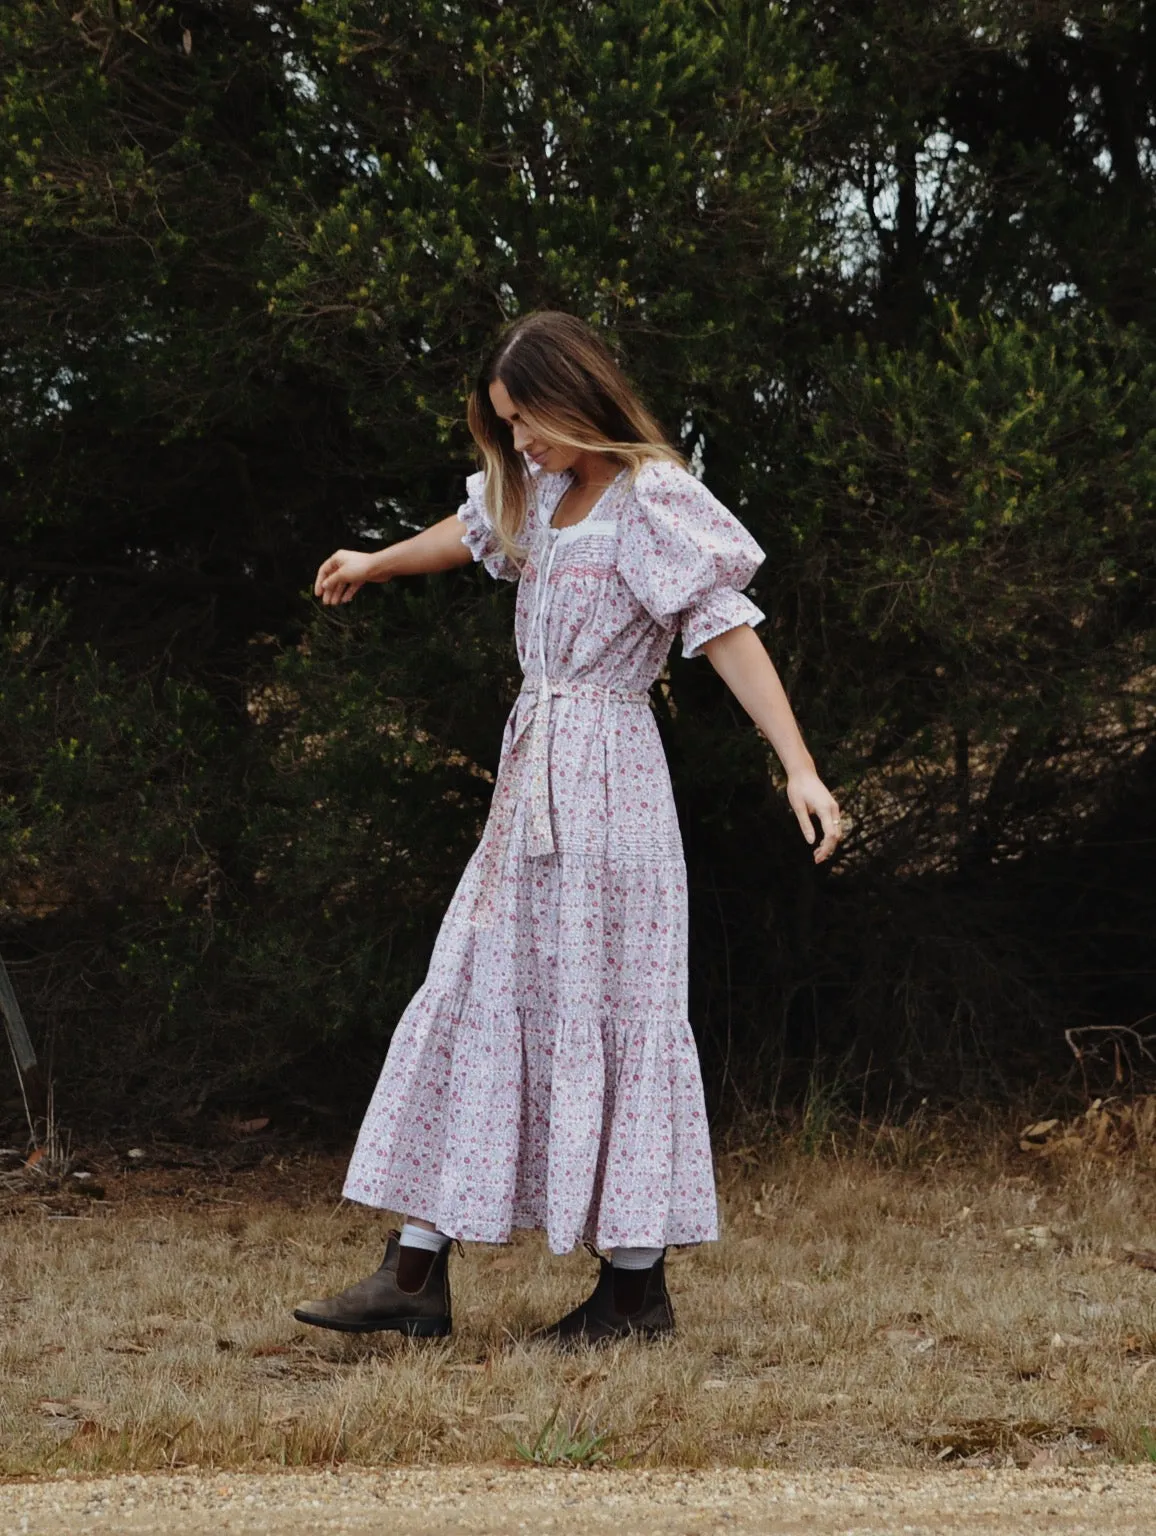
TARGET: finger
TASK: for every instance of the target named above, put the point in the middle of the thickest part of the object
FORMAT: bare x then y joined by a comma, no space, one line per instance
803,817
324,571
826,848
352,590
829,819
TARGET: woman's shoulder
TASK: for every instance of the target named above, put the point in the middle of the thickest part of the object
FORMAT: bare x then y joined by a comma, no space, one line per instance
658,472
657,475
664,481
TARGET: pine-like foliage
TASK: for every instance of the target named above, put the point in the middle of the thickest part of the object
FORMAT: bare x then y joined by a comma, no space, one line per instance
885,273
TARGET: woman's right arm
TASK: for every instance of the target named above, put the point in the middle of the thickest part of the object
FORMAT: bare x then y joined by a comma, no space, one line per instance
436,548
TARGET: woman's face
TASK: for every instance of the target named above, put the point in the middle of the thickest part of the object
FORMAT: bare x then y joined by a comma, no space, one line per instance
528,438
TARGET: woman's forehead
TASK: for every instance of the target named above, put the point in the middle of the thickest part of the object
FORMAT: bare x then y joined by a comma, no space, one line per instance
501,401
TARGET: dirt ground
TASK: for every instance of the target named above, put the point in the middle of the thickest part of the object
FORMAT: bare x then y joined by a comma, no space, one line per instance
433,1501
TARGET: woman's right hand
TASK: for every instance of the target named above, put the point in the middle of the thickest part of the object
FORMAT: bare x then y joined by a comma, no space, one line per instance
342,576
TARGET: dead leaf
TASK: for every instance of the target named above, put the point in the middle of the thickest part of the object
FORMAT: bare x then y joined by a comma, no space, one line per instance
187,41
971,1437
505,1263
260,1350
1037,1237
1069,1341
34,1157
72,1407
1049,1456
1032,1137
588,1378
126,1347
1144,1368
909,1341
86,1427
1143,1258
1107,1129
248,1127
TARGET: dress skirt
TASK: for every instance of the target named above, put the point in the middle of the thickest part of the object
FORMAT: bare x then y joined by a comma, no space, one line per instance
545,1074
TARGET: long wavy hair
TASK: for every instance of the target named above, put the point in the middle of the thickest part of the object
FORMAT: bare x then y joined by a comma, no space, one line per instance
565,382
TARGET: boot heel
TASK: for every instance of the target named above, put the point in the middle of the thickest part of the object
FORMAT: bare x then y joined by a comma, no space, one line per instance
424,1328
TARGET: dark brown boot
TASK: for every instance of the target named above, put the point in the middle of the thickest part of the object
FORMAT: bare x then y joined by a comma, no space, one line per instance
378,1304
624,1304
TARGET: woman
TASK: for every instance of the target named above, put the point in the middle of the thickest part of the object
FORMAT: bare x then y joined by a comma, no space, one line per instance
544,1074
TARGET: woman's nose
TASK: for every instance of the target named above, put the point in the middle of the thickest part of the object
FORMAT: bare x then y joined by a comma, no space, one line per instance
521,438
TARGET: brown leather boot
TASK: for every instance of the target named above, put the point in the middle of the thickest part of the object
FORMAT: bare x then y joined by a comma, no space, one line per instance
378,1304
624,1304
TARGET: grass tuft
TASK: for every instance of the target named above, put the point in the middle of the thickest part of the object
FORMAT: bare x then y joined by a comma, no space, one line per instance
561,1444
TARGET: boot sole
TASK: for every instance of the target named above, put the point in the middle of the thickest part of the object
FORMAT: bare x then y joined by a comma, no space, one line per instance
575,1341
412,1327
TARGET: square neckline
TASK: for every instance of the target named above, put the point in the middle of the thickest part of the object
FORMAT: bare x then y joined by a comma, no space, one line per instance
588,515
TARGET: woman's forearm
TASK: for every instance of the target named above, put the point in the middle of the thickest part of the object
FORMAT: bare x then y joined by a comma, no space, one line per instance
436,548
740,659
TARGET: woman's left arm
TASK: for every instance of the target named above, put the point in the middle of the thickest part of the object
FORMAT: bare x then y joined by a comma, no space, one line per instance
740,659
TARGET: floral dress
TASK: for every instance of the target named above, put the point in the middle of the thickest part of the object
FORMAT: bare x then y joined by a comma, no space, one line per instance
544,1074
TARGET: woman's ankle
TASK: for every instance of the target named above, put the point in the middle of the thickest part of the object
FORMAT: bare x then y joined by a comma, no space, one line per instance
418,1247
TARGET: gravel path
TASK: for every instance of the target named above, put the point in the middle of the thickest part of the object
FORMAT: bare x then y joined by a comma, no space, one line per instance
430,1502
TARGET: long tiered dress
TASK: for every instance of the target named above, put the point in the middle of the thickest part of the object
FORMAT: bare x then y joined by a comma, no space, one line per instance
544,1074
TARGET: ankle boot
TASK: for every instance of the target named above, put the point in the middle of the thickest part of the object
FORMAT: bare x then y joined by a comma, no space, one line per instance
378,1304
603,1317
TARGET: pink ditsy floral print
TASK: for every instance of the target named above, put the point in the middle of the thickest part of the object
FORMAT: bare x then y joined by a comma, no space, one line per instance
545,1074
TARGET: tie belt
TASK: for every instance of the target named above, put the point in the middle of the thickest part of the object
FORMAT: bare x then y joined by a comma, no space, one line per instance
535,756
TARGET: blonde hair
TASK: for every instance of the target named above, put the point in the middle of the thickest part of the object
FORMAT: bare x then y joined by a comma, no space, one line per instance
563,377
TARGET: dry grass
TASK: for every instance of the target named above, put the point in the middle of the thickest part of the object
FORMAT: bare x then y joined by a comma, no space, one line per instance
855,1314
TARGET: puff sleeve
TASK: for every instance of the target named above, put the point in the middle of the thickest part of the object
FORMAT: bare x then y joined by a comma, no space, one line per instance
479,537
685,556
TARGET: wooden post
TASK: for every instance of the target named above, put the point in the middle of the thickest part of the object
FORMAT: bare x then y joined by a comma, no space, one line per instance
27,1067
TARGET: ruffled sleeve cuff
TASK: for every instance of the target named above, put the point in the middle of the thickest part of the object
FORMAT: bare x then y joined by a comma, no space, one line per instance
479,536
724,609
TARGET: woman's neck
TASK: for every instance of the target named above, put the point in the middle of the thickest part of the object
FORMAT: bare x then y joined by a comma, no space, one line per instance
595,469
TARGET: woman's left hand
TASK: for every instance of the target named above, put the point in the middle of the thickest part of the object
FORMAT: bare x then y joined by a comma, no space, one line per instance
809,796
